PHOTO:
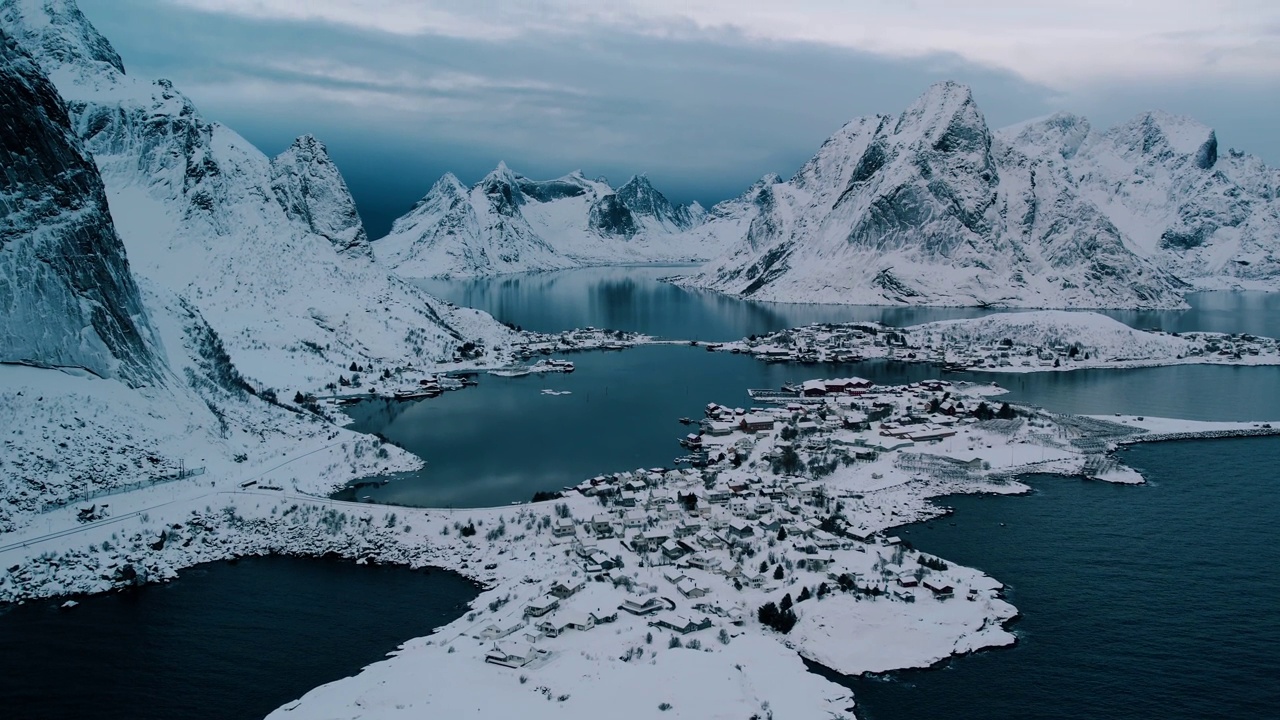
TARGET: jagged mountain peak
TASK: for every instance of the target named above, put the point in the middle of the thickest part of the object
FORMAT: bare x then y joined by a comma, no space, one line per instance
1165,136
944,107
1059,134
60,38
311,190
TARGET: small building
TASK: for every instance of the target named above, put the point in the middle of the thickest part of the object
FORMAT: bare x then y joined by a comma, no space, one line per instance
566,587
690,589
908,580
499,630
541,606
682,624
740,529
687,528
931,434
701,561
710,540
825,540
813,388
719,428
602,524
564,527
673,550
756,423
651,604
642,543
513,655
939,588
819,564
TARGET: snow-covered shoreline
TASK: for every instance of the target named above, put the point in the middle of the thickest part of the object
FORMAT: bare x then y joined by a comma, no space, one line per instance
866,605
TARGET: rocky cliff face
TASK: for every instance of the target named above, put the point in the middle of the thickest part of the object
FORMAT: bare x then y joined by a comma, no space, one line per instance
67,297
510,223
931,207
313,194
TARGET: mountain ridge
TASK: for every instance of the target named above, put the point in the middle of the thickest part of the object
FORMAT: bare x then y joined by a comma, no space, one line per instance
510,223
933,207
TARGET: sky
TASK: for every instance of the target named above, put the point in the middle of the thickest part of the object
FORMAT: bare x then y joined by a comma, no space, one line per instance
703,97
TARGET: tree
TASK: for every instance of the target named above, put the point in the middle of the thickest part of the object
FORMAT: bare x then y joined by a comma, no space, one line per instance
804,595
786,602
1006,412
782,534
764,566
983,411
772,616
690,502
778,574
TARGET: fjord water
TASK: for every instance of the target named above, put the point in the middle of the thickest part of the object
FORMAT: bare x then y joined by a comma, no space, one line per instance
635,299
224,641
504,440
1156,601
507,439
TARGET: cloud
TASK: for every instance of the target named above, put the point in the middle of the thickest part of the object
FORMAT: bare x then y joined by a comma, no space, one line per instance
1062,45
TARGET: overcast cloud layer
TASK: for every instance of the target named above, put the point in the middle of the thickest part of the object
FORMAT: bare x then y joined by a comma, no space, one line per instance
704,100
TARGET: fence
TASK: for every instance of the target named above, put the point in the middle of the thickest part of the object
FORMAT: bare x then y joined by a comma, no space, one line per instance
117,489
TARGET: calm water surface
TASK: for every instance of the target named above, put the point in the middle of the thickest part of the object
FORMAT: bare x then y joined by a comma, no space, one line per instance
504,440
633,298
224,641
1138,602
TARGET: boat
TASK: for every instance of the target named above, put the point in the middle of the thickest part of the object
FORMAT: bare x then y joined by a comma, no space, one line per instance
416,393
561,365
686,421
511,372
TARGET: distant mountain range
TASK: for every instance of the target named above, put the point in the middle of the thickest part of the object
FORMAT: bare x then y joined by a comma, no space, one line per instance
927,207
932,207
509,223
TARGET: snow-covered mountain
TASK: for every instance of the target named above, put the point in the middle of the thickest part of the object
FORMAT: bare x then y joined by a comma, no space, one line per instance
931,207
104,381
1212,218
270,252
508,223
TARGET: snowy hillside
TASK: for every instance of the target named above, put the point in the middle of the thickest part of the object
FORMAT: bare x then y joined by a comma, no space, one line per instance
1098,334
269,251
932,208
508,223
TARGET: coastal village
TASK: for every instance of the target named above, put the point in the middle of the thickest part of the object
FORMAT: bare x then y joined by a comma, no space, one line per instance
1011,342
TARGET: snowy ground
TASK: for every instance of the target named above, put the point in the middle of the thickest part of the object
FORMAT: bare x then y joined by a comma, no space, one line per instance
815,538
